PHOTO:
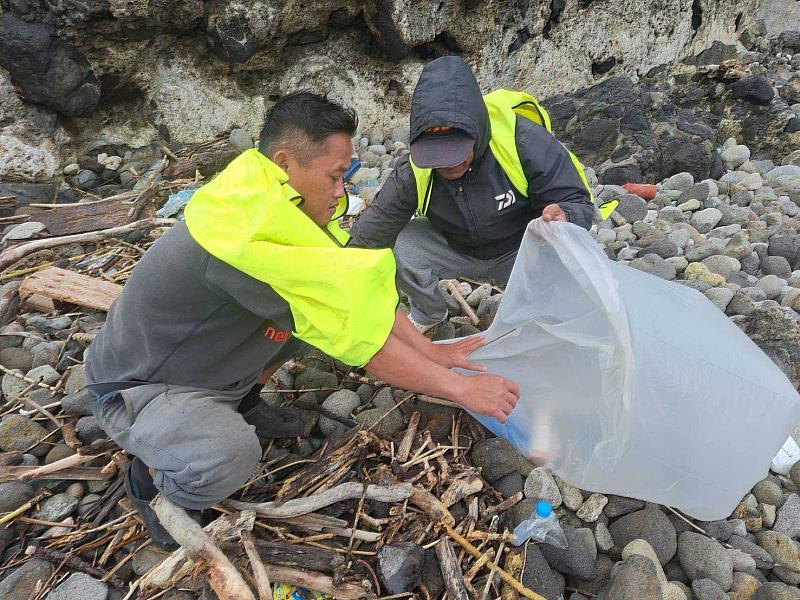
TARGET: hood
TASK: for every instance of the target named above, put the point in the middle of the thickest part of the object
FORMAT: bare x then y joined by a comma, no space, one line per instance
447,93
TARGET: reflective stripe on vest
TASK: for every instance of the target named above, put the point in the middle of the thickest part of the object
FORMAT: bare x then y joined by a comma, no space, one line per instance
503,107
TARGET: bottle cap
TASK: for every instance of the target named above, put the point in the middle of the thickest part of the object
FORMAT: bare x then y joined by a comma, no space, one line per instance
543,509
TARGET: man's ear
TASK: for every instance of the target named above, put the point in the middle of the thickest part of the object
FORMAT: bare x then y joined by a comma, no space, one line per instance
281,158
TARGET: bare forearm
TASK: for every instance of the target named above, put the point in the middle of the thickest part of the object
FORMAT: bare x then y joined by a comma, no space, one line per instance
399,365
409,334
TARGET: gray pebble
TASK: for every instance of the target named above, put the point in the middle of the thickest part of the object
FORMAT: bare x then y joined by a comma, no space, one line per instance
14,494
21,583
56,508
341,403
541,486
20,433
578,558
80,585
88,430
539,576
650,525
496,457
788,517
707,589
16,358
776,265
702,557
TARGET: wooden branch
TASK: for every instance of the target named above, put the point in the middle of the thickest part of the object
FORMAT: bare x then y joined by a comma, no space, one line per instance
515,563
504,505
12,255
336,457
74,562
298,556
431,506
175,567
451,571
408,438
464,485
223,577
514,583
84,216
68,473
260,574
10,458
460,299
317,582
59,466
71,287
345,491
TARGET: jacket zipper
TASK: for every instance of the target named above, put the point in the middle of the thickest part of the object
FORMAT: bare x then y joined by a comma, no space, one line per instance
469,210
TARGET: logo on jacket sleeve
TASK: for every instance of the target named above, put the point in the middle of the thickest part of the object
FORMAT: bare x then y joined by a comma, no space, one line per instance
505,200
276,335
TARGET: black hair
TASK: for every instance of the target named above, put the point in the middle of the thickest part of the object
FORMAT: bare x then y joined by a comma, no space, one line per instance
301,122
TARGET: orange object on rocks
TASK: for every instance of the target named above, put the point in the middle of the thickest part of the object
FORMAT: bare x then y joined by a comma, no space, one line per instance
646,191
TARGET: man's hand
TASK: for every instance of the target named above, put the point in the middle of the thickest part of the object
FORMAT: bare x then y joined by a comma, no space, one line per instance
489,395
455,354
553,212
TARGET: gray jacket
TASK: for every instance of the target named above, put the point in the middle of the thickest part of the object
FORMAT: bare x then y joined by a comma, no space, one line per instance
474,213
187,318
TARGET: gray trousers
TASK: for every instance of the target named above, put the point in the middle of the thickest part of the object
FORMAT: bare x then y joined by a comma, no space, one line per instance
195,440
424,258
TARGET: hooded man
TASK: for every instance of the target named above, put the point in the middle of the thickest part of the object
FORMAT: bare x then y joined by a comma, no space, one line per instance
256,272
461,177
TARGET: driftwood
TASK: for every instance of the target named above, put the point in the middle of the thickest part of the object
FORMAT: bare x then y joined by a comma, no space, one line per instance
451,571
12,255
68,286
65,466
432,507
85,216
506,577
71,474
318,582
223,577
408,437
207,162
326,524
345,491
263,586
297,556
60,558
464,485
460,299
8,204
175,567
334,460
38,303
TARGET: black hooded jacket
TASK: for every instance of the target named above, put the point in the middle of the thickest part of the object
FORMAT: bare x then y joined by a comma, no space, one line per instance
474,213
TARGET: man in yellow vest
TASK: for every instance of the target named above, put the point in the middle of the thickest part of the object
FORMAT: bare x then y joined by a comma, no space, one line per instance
481,167
257,271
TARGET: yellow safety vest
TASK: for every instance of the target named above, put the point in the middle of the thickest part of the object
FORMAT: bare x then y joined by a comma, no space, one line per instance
503,107
343,300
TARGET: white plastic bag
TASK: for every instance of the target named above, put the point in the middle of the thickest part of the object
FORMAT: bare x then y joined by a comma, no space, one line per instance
630,384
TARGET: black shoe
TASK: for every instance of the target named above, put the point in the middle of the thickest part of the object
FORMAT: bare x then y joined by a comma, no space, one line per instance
275,422
140,489
270,421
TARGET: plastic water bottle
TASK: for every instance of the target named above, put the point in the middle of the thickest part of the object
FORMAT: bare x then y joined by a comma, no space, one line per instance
543,526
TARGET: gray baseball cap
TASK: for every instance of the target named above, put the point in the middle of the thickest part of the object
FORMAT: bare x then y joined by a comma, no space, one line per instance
441,149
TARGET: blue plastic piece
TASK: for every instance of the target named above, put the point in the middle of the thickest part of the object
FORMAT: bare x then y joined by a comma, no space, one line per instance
355,165
175,204
543,509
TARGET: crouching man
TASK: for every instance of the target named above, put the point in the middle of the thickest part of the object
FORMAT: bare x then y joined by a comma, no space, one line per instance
258,270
